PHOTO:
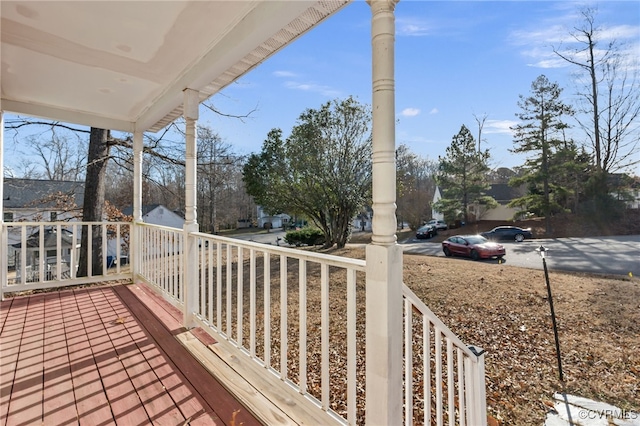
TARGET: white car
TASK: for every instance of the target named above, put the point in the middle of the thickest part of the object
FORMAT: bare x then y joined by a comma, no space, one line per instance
439,224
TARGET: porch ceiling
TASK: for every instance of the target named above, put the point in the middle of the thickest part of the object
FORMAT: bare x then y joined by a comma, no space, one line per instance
123,65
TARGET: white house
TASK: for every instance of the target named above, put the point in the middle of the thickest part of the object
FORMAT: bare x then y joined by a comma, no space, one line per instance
276,221
36,200
49,240
501,192
157,214
437,196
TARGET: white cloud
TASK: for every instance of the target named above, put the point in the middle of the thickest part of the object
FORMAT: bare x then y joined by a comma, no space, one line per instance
285,74
552,62
410,112
541,38
412,27
620,32
316,88
547,35
434,111
498,126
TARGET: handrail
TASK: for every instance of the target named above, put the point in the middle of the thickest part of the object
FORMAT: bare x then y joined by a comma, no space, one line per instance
446,370
424,310
357,264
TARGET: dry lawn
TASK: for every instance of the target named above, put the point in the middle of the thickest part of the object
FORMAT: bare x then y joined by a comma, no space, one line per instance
505,310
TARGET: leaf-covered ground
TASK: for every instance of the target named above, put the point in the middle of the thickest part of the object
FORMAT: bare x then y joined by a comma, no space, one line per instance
505,310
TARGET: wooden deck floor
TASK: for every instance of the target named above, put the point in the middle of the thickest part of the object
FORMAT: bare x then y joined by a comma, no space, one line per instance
98,356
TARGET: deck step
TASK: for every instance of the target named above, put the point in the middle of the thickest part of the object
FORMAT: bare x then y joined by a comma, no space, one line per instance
259,389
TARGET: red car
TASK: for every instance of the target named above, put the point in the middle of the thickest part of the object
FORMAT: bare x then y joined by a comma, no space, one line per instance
473,246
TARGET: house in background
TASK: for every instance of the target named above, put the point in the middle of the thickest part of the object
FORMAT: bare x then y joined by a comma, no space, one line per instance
437,196
266,220
50,240
363,221
157,214
36,200
501,192
628,189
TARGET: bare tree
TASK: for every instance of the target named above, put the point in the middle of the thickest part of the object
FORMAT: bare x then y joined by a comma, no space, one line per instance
415,187
62,159
480,120
610,95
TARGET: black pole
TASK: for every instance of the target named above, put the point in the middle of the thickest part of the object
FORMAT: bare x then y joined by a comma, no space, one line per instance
553,314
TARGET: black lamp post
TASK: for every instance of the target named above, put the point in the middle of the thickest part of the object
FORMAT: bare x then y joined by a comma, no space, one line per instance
542,251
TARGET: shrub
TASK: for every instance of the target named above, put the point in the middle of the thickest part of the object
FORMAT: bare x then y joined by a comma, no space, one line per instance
305,236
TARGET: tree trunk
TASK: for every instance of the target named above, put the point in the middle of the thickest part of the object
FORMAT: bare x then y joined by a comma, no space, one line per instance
93,207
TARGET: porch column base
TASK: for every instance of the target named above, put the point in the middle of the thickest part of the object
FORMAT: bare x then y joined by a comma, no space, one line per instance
384,335
190,285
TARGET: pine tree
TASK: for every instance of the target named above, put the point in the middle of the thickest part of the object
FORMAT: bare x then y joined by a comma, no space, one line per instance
463,177
541,134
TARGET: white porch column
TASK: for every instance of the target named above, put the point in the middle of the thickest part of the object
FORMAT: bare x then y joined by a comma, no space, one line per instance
190,108
137,203
384,256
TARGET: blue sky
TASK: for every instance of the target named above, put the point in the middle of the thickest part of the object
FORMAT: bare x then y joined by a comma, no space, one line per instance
454,59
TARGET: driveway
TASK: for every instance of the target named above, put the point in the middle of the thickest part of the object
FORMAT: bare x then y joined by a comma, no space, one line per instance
264,237
618,255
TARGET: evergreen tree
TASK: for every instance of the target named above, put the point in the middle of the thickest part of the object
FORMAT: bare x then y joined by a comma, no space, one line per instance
321,171
463,177
541,135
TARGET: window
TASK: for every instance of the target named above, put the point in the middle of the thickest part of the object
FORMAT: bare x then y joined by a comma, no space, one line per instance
8,216
53,216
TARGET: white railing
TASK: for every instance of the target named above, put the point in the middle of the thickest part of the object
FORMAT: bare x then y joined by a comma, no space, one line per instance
311,344
296,313
292,311
40,255
159,258
444,379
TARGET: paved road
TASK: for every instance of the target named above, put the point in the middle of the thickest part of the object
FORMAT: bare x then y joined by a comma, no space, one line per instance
264,237
605,255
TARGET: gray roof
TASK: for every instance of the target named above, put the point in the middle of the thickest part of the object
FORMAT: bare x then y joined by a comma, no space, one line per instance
503,193
147,208
29,193
50,239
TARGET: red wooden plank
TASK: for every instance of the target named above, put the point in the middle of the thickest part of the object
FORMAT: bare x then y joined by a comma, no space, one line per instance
25,404
122,396
215,395
10,344
91,400
124,402
187,398
59,405
155,399
203,336
73,358
167,314
182,396
5,306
